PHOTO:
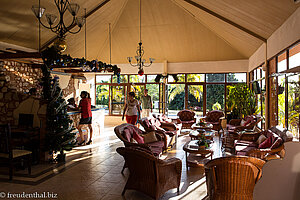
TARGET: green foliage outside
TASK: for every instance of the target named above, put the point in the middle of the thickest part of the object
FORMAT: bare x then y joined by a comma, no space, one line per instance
294,105
102,95
241,101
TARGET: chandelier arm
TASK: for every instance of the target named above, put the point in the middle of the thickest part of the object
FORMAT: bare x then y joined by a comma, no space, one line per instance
65,6
75,31
133,65
147,65
40,21
72,24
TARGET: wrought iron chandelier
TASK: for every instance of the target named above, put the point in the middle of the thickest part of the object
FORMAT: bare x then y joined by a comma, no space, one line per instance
60,28
140,62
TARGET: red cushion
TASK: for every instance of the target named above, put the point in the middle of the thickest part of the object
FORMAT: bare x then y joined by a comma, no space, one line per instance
277,143
137,137
266,144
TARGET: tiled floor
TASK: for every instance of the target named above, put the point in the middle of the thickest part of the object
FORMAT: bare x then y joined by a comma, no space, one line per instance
93,172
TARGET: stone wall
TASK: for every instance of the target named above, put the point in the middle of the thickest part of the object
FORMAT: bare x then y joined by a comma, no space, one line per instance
10,99
21,76
15,81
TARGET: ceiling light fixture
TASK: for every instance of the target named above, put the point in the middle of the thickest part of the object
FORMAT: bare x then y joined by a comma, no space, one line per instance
140,62
60,28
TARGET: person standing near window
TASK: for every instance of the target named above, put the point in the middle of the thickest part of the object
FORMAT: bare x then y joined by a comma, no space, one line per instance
86,116
146,104
132,109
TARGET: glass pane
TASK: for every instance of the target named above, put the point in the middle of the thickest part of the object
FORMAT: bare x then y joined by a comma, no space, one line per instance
137,79
138,90
195,77
151,78
102,96
123,79
181,78
103,78
255,75
281,65
118,96
294,59
237,77
294,104
153,91
263,74
195,99
281,101
215,78
176,97
215,97
258,73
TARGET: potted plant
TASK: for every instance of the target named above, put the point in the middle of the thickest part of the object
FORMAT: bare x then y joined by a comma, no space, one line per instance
241,101
202,142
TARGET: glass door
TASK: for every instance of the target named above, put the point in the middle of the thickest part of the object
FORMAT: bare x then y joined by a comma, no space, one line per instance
195,99
154,91
176,96
118,97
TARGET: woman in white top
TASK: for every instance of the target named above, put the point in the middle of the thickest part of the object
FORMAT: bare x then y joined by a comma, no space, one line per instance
132,109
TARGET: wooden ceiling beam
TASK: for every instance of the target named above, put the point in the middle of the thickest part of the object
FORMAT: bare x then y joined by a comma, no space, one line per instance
226,20
45,45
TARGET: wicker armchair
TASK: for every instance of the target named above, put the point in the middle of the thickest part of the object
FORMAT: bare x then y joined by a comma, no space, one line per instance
234,125
149,174
155,147
168,133
232,177
187,118
215,117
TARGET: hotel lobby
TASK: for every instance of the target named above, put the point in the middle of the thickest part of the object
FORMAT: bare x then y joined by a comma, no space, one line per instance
223,77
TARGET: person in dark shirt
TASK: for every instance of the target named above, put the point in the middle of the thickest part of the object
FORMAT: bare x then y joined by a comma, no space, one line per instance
86,116
71,104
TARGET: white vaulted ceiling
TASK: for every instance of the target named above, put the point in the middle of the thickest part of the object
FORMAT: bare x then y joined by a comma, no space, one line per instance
172,30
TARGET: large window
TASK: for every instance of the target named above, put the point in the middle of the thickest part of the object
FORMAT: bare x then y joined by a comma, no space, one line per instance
281,66
284,91
198,92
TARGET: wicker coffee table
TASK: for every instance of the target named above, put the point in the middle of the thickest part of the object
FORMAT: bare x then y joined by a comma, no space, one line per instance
196,156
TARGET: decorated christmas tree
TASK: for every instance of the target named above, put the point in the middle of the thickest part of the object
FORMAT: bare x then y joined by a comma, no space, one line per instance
59,136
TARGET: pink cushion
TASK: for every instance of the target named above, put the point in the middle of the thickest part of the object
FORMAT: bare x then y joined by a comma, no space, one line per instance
147,123
266,144
137,137
127,134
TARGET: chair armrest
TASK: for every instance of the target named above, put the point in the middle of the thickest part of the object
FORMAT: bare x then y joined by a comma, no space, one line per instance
253,137
176,121
145,146
235,122
262,153
172,162
168,126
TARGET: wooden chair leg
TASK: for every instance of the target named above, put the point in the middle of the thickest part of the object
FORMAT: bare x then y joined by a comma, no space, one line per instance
29,164
124,166
11,168
124,190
